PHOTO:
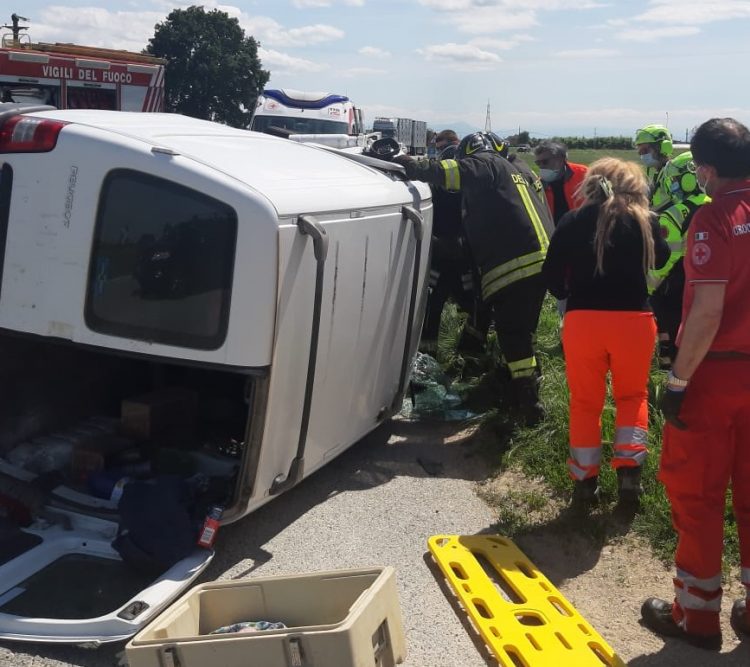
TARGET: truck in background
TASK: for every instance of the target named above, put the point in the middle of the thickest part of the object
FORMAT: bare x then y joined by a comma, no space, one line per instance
69,76
411,134
295,112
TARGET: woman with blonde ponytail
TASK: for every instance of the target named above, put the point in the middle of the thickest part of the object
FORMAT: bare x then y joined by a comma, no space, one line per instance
598,259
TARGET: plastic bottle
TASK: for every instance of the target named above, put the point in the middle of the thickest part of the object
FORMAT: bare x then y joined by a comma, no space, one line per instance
207,535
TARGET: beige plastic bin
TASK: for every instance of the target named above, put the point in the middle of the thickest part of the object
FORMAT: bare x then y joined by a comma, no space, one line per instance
346,618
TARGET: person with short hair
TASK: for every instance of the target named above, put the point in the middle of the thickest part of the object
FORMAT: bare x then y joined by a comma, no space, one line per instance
706,440
445,138
560,177
598,258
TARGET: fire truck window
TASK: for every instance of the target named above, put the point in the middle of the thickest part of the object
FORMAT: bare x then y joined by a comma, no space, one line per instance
91,98
25,94
162,262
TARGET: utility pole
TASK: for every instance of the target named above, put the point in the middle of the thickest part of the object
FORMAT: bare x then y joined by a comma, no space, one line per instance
15,28
667,123
488,120
594,137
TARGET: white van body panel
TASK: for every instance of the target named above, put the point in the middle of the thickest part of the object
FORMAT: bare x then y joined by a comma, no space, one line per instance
373,278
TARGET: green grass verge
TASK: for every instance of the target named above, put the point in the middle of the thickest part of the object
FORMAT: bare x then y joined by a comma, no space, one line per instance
542,451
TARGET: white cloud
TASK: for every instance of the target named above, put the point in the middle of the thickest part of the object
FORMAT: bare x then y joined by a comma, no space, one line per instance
357,72
489,20
587,53
270,32
463,57
374,52
283,63
315,4
656,34
693,12
95,26
492,44
504,5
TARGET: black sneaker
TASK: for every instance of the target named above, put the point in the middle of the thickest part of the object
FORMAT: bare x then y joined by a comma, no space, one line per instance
629,489
586,492
657,617
739,619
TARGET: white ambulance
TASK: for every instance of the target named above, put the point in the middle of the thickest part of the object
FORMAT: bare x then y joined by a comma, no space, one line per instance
279,285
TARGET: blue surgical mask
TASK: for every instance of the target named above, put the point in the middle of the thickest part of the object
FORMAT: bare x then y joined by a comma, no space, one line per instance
549,175
649,160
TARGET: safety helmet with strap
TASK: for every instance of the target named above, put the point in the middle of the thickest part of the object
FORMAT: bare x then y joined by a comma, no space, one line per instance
655,134
481,141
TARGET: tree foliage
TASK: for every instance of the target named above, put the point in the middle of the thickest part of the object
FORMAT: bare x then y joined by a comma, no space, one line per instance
213,70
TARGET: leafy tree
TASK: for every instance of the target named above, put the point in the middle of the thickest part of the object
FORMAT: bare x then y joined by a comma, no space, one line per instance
213,70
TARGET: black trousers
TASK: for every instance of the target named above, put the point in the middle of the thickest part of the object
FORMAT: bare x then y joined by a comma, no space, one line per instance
516,309
449,284
666,303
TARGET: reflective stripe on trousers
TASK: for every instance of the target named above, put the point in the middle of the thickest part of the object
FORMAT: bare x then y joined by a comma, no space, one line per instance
584,462
522,368
697,603
630,446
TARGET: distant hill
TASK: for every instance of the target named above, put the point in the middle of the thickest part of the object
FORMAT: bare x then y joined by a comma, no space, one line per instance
459,127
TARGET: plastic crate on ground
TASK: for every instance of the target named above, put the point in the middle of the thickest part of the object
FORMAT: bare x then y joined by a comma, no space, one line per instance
347,617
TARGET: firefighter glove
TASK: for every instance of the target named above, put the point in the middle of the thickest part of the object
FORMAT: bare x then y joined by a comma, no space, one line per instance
402,159
670,404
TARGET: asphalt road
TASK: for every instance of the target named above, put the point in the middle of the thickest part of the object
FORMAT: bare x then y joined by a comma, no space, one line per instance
375,505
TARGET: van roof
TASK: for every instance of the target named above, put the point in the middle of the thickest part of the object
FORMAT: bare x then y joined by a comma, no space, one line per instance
294,177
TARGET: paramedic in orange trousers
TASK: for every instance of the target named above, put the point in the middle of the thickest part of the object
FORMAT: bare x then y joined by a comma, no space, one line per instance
599,257
705,403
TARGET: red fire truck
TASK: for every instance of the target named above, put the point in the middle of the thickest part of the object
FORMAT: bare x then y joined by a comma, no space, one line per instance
69,76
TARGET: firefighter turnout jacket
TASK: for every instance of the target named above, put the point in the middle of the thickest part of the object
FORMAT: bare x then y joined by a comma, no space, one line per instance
503,219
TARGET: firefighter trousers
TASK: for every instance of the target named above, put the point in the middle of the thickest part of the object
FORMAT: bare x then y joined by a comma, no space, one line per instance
515,310
697,465
597,342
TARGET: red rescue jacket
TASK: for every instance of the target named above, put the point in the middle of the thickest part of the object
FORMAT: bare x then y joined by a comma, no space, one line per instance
574,174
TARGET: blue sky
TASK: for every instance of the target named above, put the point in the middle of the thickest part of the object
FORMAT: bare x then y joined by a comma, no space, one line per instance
548,66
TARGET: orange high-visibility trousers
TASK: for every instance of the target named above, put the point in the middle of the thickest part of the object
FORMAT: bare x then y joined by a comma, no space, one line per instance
597,342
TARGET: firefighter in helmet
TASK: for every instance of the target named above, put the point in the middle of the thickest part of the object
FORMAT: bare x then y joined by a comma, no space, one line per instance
504,222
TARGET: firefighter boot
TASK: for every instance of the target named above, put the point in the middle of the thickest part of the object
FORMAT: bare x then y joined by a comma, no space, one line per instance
586,492
629,489
526,395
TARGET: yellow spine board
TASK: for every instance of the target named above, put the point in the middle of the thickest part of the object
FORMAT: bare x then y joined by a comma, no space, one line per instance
524,620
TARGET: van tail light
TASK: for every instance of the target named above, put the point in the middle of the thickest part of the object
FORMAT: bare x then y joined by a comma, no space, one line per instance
27,134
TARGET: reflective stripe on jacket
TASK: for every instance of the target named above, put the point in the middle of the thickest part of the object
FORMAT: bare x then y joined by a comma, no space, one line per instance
503,219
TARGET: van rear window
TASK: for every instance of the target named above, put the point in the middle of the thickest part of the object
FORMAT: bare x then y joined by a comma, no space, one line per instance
162,262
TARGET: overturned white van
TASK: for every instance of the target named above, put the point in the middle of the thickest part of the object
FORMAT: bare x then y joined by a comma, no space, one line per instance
246,306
